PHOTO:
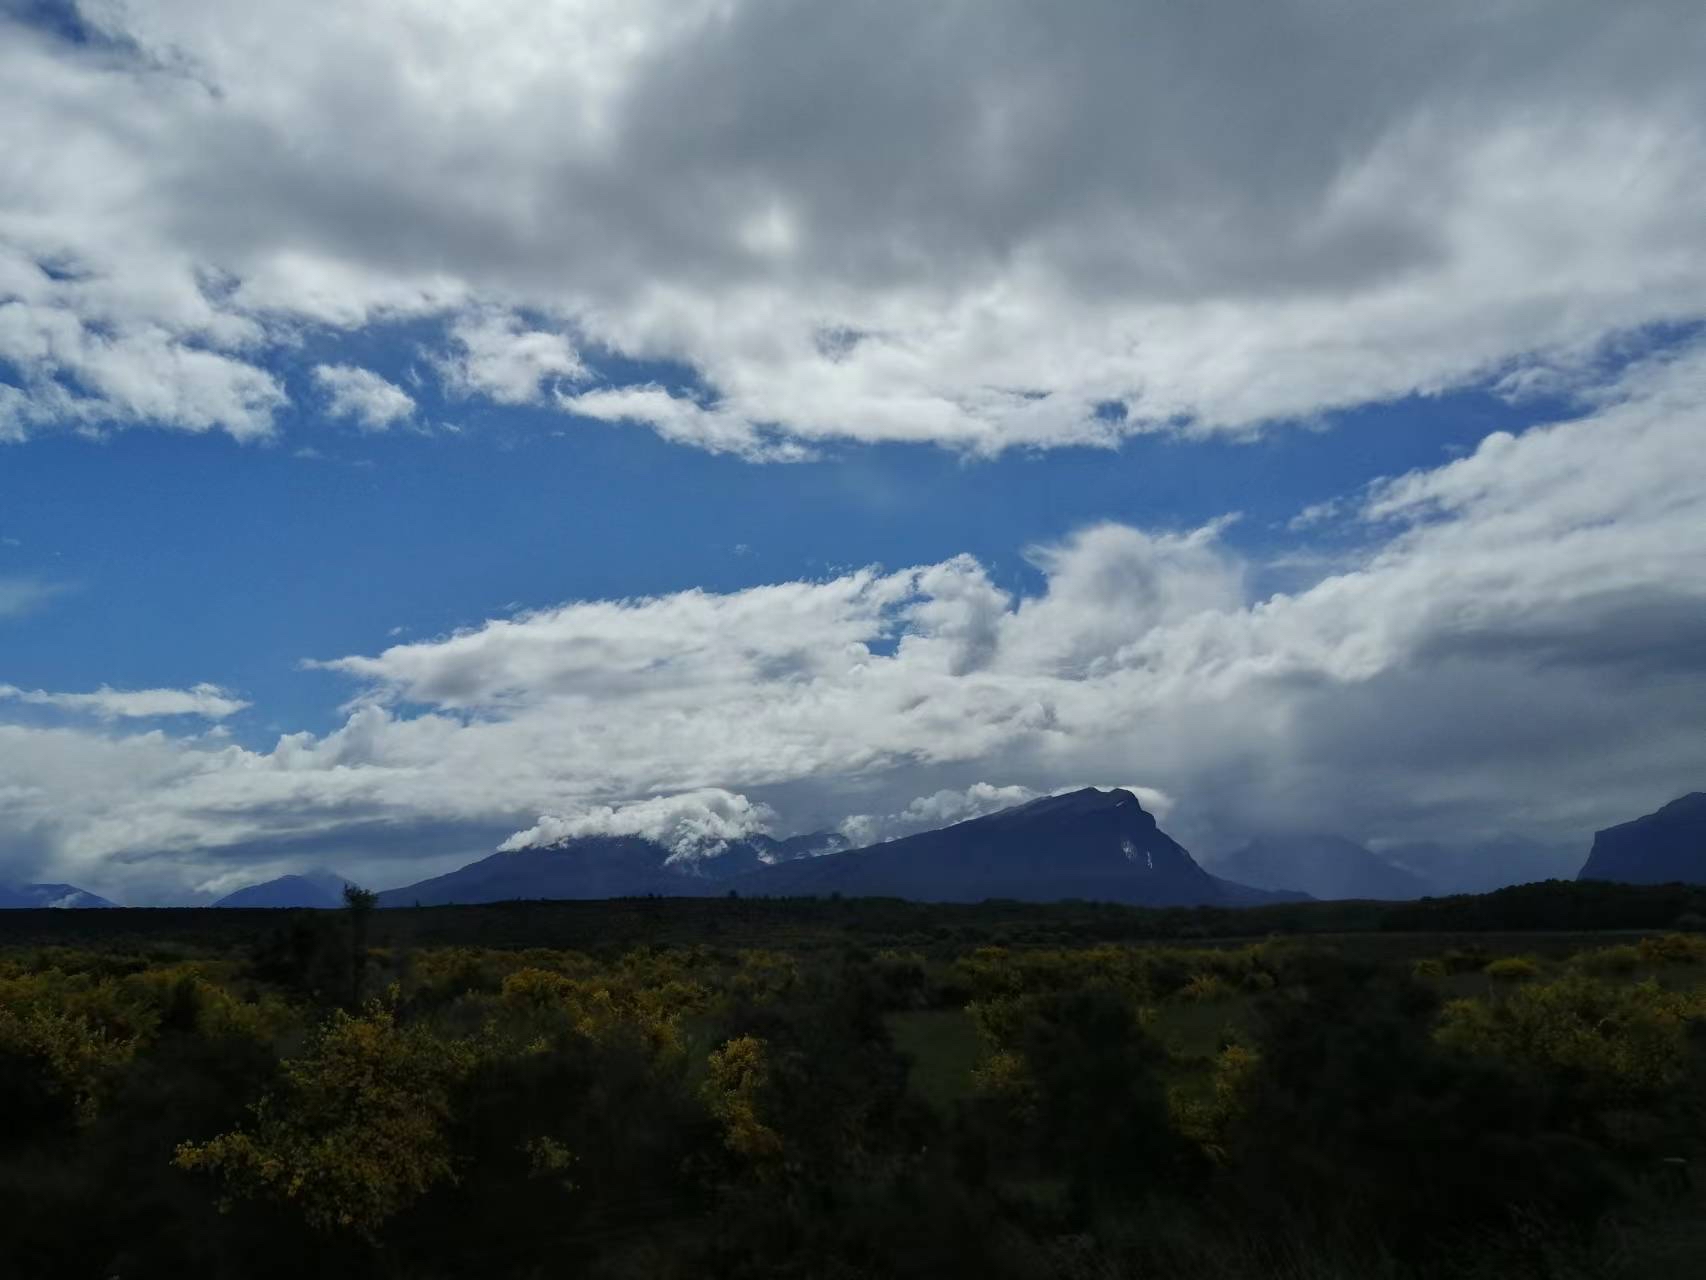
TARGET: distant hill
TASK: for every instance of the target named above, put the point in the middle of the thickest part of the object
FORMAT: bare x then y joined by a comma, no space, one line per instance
65,896
605,867
1322,866
1100,846
1665,847
322,889
1485,866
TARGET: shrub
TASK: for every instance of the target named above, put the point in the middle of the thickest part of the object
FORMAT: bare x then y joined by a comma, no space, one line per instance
1206,987
1614,1043
1512,969
1673,948
1617,961
356,1133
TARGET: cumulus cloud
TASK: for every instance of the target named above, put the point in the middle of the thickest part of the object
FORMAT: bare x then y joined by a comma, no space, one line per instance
1516,649
695,824
208,701
939,809
363,396
495,355
1210,218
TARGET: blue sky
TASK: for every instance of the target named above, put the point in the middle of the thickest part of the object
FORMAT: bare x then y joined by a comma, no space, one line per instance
489,418
183,560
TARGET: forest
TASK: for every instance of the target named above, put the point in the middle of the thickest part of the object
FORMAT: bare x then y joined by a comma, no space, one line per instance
859,1089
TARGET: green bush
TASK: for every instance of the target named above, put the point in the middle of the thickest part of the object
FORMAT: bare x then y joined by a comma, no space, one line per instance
1512,969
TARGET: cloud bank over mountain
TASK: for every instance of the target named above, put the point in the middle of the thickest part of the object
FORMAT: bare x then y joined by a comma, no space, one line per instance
1514,645
690,825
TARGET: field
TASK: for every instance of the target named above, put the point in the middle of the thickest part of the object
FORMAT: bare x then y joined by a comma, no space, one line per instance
861,1088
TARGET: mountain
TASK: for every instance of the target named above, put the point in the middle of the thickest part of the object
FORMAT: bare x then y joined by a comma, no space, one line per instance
67,896
1096,845
605,867
1666,846
1484,866
322,889
1322,866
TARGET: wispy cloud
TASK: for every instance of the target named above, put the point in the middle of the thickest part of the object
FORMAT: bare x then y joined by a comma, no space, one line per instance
208,701
20,596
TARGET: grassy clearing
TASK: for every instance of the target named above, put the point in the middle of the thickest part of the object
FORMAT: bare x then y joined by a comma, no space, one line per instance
944,1047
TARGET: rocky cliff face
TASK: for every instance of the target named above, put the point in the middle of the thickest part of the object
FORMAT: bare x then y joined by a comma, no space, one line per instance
1657,849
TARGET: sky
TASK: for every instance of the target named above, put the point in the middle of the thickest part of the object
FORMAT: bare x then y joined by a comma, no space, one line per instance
441,426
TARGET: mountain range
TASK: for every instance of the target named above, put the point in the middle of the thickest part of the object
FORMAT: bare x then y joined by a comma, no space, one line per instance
611,867
1090,844
1098,845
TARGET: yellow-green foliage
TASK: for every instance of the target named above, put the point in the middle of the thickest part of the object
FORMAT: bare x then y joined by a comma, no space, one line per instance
1673,948
77,1061
738,1076
1206,1119
1608,960
602,1010
1622,1042
1145,974
764,976
1003,1072
1206,987
83,1029
1512,969
356,1130
1429,967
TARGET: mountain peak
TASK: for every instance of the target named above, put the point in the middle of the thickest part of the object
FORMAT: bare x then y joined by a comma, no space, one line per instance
1070,804
1097,845
62,896
1666,845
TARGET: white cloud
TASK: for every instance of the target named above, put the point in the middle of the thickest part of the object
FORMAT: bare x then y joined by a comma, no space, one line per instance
362,395
496,356
694,824
208,701
1211,217
1518,649
716,430
939,809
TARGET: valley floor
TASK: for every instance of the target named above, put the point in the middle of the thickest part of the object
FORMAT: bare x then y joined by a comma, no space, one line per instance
806,1088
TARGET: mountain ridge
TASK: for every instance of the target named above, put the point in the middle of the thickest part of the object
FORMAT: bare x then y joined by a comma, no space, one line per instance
318,889
57,896
1090,844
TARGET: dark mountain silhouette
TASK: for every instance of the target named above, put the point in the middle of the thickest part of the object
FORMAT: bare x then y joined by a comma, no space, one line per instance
1322,866
1666,846
605,867
1096,845
321,888
1234,894
67,896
